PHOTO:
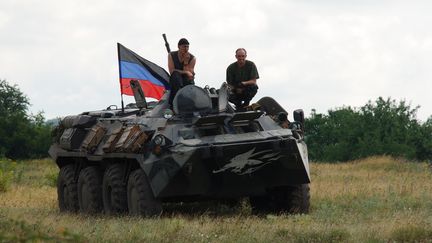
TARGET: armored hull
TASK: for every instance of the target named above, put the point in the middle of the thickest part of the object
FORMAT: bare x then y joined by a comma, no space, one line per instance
135,159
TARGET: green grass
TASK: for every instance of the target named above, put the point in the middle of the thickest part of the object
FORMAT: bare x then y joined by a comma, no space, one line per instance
412,233
7,170
378,199
20,231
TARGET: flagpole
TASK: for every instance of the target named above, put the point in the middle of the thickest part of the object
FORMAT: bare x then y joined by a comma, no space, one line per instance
120,75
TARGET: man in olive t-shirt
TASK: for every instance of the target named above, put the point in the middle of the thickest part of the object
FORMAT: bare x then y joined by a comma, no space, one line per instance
242,76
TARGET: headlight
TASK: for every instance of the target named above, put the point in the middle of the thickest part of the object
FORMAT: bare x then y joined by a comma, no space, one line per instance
159,140
168,114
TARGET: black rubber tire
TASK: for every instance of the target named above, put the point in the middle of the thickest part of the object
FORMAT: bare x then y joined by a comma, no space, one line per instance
287,199
114,190
141,200
90,190
293,199
67,191
260,204
231,203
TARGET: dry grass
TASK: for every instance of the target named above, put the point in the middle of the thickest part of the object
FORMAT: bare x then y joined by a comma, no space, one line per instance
378,199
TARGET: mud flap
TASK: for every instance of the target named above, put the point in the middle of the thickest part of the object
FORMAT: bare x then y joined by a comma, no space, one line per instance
302,148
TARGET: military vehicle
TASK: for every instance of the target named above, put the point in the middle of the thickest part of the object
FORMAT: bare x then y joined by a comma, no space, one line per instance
133,160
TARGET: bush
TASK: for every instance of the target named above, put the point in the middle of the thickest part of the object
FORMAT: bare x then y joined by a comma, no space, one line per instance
384,127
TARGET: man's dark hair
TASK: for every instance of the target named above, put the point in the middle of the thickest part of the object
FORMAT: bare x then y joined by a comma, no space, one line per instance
183,41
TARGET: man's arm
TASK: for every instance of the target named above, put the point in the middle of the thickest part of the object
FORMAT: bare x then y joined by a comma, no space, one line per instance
229,76
170,64
254,76
192,65
171,67
249,82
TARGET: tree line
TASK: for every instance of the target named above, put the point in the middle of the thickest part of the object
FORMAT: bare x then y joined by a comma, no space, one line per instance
22,135
382,127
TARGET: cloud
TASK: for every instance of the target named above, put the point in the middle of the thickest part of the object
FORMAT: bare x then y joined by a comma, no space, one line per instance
310,54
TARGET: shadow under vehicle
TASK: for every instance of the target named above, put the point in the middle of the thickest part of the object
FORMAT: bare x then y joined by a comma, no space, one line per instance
133,160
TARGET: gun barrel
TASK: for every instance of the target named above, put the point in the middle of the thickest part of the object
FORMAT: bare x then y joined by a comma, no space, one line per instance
166,43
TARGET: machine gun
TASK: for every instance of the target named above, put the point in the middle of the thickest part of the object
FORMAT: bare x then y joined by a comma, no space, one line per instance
166,43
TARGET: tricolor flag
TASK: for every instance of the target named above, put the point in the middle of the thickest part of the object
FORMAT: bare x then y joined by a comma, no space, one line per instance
154,80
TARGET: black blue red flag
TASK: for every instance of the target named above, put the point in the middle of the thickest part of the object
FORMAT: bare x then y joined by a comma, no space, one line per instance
154,80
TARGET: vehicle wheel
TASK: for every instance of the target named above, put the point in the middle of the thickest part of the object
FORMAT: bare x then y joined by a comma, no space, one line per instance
292,199
114,190
231,203
67,191
90,190
260,204
141,200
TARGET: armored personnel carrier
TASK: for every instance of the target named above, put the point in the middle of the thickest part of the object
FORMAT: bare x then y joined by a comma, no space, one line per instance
133,160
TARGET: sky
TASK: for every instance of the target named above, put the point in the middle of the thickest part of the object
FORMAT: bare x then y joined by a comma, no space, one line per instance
310,54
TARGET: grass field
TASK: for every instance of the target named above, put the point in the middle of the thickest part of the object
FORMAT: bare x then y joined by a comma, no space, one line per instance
379,199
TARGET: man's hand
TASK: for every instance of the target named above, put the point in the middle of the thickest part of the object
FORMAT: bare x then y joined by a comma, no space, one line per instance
189,75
